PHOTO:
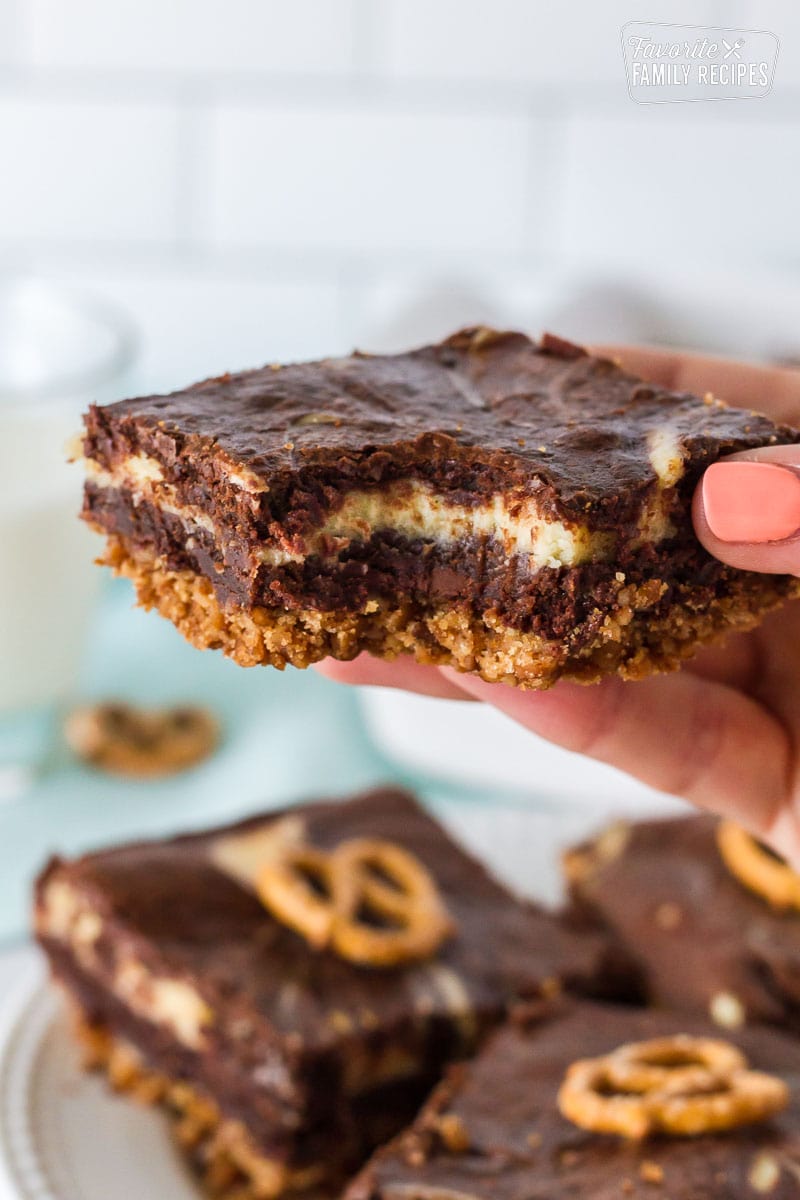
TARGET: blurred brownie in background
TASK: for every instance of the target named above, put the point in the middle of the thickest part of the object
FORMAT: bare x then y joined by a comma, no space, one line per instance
684,897
292,985
496,1128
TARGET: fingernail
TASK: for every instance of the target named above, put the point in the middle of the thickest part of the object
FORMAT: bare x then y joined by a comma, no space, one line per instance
751,501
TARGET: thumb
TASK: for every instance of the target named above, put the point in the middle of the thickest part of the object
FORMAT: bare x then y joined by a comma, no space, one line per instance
747,510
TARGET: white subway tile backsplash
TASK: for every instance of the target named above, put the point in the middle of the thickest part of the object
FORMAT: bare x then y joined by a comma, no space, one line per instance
74,170
302,175
9,31
392,310
196,322
681,186
781,17
515,41
364,181
186,36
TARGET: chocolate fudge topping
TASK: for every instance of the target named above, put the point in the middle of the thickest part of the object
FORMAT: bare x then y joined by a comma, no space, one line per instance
482,412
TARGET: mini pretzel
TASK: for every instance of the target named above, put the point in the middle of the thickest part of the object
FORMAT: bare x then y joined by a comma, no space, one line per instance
673,1064
141,742
756,868
370,901
303,888
587,1098
745,1098
393,886
681,1086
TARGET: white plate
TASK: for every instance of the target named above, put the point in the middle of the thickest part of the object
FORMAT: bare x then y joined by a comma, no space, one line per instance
65,1136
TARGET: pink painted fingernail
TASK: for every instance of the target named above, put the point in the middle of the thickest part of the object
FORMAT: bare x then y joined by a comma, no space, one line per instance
751,501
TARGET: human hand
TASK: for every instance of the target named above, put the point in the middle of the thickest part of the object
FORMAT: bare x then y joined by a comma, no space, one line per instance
724,732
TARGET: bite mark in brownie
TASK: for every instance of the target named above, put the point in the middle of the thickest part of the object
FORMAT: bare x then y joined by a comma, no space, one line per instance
171,956
517,509
493,1130
704,942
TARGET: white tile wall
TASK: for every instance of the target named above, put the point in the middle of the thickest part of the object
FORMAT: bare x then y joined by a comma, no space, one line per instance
364,181
257,178
782,18
196,322
77,170
8,31
190,36
519,41
679,185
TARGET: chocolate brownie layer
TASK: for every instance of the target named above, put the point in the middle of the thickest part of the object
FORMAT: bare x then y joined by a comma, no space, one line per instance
529,489
493,1131
167,947
342,1136
229,1162
555,603
478,415
703,941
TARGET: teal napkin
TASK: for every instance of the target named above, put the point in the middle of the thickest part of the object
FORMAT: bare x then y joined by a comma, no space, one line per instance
286,735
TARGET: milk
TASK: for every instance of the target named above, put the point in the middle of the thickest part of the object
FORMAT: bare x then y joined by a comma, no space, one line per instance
58,353
47,580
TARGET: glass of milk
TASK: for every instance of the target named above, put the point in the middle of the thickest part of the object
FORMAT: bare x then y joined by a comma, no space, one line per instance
58,353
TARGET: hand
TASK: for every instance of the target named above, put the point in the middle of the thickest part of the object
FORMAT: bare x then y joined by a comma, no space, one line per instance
724,732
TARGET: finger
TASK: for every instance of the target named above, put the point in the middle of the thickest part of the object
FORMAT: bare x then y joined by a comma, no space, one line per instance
746,510
735,662
679,733
653,364
403,673
772,390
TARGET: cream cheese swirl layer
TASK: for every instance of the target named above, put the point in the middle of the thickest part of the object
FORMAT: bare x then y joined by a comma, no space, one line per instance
415,511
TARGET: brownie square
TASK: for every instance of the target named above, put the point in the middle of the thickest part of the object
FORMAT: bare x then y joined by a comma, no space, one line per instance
517,509
702,940
287,1063
493,1130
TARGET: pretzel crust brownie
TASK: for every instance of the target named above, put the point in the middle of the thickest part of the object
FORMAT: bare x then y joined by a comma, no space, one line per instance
604,1102
313,1022
516,509
711,917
